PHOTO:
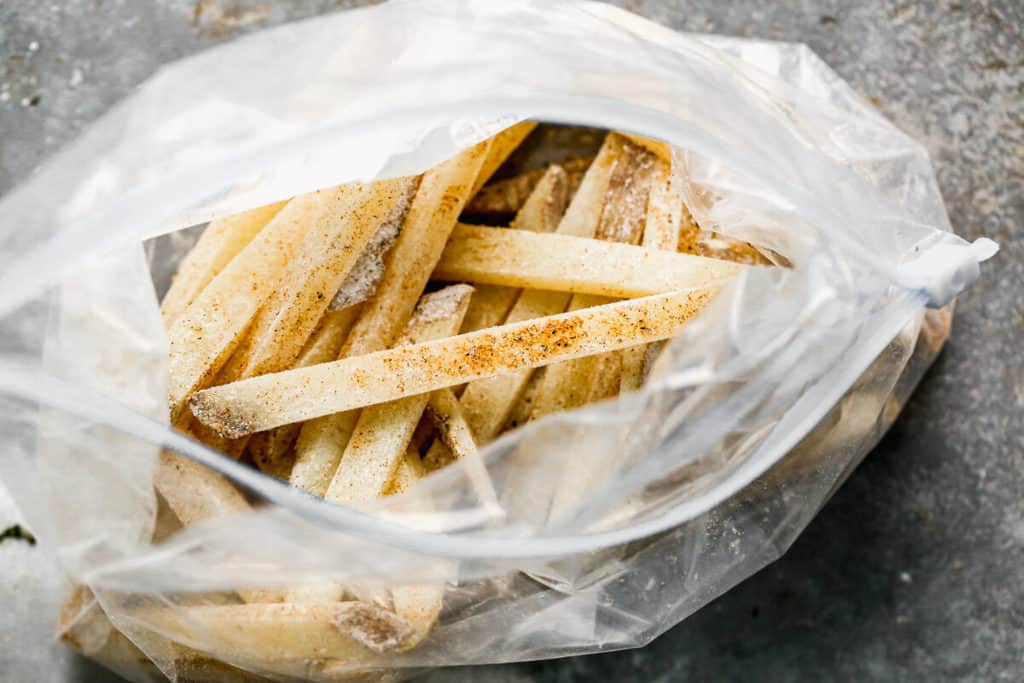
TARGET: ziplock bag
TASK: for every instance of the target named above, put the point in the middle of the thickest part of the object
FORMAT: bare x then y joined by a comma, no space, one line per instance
753,415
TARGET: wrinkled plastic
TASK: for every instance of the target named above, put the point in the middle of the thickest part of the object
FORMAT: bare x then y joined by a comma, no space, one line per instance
592,530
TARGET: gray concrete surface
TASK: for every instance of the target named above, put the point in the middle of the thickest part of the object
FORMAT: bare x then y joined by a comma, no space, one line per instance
915,570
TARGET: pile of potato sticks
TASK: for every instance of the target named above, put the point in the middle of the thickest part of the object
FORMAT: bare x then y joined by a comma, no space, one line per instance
353,339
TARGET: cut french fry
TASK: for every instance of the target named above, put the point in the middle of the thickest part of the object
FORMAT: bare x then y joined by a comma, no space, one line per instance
501,146
327,340
347,631
489,307
382,434
368,271
203,337
544,208
584,212
271,451
232,448
633,361
665,208
625,206
560,263
193,492
452,427
268,401
418,605
319,266
690,234
82,623
410,470
434,211
718,247
523,409
488,402
318,449
660,149
222,239
608,378
85,627
506,197
665,212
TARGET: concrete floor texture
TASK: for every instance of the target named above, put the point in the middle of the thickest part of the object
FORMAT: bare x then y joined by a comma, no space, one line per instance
915,569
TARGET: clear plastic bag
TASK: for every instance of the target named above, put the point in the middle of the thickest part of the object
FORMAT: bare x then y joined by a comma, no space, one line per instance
754,415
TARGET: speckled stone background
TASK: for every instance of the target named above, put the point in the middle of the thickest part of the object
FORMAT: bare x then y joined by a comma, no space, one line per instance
915,570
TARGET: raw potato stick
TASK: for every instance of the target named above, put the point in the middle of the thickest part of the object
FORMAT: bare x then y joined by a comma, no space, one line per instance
662,231
634,360
487,403
544,208
82,623
222,239
268,401
382,434
607,380
349,631
660,149
270,450
501,145
366,274
434,211
418,605
520,415
541,212
203,337
625,207
85,627
489,307
193,492
665,208
331,248
452,427
506,197
454,432
560,263
410,470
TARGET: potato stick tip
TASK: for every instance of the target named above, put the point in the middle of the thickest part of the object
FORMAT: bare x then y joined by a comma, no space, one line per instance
440,304
375,628
231,420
